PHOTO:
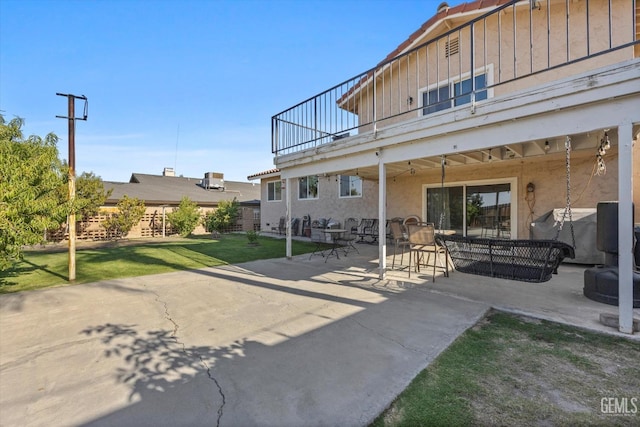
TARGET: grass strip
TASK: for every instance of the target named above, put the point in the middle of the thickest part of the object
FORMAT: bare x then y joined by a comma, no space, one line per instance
42,269
510,370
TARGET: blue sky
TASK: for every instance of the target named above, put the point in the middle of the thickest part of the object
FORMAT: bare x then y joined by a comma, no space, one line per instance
189,84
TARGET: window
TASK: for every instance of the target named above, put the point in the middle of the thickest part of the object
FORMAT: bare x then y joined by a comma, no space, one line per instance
476,209
350,186
453,94
274,191
462,90
437,99
308,187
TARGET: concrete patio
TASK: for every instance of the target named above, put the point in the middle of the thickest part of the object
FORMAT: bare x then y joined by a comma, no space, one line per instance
560,300
299,342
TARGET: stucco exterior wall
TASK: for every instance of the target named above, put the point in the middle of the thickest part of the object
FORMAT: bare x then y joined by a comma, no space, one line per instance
548,173
406,193
327,205
501,55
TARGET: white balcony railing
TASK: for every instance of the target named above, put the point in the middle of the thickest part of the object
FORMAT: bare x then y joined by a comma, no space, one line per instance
485,57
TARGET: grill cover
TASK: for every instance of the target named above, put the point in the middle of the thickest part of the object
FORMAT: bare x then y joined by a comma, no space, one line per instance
585,227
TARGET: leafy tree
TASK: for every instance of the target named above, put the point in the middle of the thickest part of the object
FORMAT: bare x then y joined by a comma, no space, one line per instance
223,217
90,195
185,217
474,207
31,175
130,212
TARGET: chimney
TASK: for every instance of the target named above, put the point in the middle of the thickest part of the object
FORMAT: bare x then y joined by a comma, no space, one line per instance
168,172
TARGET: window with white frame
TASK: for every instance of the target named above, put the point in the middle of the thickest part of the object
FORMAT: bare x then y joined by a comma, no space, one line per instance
308,187
274,191
453,93
350,186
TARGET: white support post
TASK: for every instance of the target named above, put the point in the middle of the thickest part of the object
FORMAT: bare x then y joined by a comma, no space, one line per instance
625,227
287,192
382,214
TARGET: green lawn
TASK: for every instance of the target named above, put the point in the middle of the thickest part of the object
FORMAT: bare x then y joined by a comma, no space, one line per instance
509,371
42,269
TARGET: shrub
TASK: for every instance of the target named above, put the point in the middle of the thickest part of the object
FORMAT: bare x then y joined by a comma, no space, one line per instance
130,212
185,217
223,217
252,235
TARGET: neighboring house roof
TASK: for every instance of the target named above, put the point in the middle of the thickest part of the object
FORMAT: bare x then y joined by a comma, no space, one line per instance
264,174
158,189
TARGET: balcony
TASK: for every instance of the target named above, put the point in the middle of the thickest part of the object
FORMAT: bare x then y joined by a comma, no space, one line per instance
515,46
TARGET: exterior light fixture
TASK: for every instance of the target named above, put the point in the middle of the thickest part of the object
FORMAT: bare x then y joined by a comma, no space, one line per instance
546,146
607,142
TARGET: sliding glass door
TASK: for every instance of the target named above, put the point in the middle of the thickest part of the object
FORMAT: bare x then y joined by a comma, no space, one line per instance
474,209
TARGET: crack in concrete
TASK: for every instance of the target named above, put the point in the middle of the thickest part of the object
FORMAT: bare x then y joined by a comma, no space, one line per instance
174,334
30,357
383,336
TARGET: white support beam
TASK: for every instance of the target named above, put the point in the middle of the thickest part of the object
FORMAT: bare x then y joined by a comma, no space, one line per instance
540,147
288,217
625,227
382,215
516,149
475,156
455,160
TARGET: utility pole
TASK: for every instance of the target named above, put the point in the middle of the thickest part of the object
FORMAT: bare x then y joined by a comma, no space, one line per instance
71,117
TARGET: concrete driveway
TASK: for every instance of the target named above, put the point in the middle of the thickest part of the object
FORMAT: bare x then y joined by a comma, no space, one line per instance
267,343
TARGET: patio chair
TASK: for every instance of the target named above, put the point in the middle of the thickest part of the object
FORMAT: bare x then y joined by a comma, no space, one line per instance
374,231
489,226
400,241
319,238
411,219
365,229
388,232
350,235
281,225
422,241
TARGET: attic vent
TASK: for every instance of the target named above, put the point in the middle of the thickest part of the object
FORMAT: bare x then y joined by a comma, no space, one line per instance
451,47
443,7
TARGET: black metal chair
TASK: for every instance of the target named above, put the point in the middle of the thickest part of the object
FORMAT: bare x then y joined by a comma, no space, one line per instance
319,238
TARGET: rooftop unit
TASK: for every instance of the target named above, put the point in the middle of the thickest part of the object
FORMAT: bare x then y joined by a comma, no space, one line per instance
168,172
213,180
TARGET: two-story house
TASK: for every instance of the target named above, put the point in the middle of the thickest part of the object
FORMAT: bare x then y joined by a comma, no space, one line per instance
492,108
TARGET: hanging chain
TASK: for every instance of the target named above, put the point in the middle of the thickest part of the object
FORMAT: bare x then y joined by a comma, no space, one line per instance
567,209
